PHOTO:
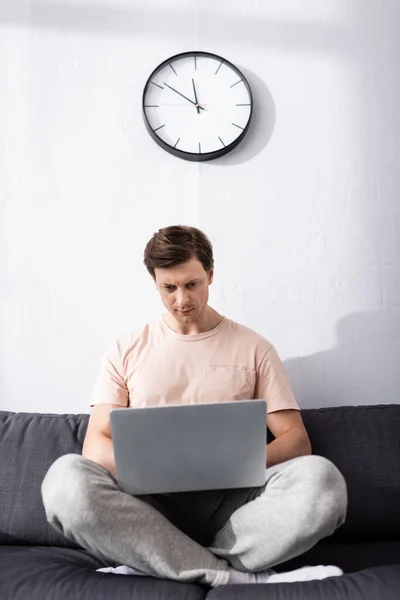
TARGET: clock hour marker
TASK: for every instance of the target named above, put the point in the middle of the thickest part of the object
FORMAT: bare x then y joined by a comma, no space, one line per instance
161,126
218,68
243,104
160,86
236,83
237,126
199,148
176,142
173,69
151,105
195,62
221,141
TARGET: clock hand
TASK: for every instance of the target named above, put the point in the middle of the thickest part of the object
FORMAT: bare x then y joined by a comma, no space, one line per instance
171,88
195,97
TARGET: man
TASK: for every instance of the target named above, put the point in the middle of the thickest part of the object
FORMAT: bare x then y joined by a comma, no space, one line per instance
195,355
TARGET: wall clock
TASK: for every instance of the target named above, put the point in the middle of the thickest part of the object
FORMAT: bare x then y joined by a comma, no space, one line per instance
197,105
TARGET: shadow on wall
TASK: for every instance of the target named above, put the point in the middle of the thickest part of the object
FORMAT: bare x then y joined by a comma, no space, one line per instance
261,126
363,368
164,20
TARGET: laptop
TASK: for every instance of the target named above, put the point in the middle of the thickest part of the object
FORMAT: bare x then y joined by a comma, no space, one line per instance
181,448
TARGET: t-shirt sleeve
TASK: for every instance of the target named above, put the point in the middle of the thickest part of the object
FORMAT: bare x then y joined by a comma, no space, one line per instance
110,386
273,385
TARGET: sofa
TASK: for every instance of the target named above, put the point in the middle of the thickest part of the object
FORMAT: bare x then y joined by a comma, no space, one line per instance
39,563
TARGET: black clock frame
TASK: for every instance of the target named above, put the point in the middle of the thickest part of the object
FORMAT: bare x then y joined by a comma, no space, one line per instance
195,156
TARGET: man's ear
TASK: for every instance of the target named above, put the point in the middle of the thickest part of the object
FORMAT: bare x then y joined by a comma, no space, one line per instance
210,275
155,282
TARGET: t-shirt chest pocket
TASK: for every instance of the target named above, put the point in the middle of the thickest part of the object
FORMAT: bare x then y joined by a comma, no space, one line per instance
228,382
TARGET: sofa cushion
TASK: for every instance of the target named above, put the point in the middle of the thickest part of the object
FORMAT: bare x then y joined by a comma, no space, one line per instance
65,574
370,584
40,573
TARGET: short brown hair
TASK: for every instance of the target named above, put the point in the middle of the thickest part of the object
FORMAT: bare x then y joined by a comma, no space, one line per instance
177,244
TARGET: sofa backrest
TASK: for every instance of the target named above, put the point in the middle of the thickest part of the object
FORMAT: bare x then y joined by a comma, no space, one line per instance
29,444
363,442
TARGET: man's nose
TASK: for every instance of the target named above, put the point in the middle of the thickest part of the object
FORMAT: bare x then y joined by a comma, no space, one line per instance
182,297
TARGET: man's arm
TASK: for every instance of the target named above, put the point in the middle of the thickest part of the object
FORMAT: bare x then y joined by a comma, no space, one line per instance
98,445
110,391
291,438
284,417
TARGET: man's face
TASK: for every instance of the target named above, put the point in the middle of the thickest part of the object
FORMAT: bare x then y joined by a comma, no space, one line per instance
184,290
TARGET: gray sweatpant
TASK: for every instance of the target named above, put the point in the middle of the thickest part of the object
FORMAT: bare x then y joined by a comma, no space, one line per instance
196,536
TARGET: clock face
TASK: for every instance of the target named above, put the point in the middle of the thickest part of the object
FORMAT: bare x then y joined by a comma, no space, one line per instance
197,105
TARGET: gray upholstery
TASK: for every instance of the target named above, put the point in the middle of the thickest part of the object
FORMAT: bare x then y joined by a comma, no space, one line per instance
363,442
29,444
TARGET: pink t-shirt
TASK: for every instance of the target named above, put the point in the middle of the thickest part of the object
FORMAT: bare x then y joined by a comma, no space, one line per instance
158,366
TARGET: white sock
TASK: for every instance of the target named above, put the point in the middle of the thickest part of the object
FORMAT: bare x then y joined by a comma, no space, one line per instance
307,574
270,576
122,570
267,576
245,577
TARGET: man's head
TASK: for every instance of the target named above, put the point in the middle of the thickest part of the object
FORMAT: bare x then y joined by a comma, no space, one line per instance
180,260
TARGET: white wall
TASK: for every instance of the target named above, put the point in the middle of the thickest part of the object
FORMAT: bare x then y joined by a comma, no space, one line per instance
304,217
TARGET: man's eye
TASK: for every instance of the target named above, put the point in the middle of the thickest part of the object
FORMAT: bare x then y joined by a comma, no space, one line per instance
169,288
193,284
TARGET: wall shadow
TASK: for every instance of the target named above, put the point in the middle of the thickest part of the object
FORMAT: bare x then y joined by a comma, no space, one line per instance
362,369
261,127
184,24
